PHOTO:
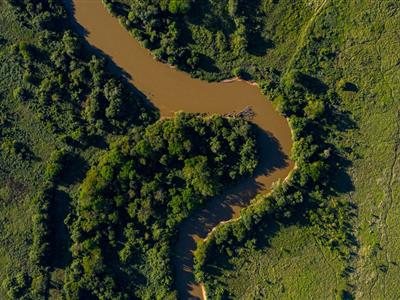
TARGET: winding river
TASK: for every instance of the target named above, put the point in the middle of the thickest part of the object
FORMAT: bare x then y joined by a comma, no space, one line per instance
171,90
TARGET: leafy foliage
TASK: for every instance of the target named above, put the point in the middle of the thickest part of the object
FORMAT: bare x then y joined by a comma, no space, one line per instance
143,187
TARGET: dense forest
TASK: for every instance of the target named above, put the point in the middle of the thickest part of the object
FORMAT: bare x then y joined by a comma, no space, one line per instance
62,105
132,201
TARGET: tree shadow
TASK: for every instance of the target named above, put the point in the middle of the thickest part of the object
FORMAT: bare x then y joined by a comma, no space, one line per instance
271,155
350,87
3,41
312,84
74,169
82,32
207,64
61,256
342,182
258,46
76,27
97,141
201,14
120,8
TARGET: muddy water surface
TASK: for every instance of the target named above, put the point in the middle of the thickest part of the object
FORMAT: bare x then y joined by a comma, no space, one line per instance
171,90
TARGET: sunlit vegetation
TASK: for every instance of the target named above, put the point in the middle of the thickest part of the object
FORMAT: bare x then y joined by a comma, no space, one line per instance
93,187
301,55
55,94
215,39
131,202
274,267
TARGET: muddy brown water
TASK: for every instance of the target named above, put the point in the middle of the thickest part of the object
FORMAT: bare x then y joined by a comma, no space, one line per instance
170,91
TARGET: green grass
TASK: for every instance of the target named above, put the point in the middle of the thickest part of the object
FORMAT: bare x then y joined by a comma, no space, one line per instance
293,266
280,25
19,178
371,60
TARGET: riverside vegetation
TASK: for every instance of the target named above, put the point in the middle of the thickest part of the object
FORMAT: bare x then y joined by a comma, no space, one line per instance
332,77
331,68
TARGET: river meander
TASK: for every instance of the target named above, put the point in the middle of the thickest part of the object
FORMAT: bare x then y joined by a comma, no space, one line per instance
170,91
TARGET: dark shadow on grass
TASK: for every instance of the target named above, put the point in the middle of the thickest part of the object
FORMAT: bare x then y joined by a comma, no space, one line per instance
61,256
350,87
74,169
97,141
342,182
313,84
3,41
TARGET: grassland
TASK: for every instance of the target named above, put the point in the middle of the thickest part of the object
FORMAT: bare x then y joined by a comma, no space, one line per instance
370,58
19,177
290,265
364,37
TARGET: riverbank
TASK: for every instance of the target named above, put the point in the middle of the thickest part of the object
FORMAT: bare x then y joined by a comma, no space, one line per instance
236,79
203,289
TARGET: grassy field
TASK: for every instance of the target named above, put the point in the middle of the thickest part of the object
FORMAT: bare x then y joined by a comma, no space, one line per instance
293,266
370,58
19,176
364,37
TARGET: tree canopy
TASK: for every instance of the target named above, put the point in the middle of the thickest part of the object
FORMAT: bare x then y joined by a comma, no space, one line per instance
141,189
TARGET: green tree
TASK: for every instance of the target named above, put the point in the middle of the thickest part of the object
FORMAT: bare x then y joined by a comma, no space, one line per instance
179,6
314,109
233,7
197,173
239,37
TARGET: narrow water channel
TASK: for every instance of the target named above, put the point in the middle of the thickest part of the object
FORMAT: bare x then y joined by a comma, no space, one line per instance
170,91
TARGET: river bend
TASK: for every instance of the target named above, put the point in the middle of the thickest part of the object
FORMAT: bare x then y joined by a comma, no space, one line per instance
170,91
